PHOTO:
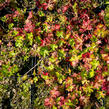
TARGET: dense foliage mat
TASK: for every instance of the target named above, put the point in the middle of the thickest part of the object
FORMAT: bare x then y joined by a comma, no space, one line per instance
54,54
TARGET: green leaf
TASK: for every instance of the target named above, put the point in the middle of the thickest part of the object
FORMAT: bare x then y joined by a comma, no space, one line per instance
14,33
69,103
15,68
71,42
52,59
3,19
38,39
26,57
30,38
35,79
57,74
94,38
75,8
60,77
91,73
37,24
45,27
53,46
41,13
84,74
106,17
16,19
12,53
49,18
60,34
44,77
61,54
19,10
44,51
54,107
102,107
73,58
10,26
51,67
60,43
19,41
24,77
94,64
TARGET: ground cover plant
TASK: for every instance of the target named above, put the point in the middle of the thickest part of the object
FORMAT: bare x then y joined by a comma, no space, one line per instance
54,54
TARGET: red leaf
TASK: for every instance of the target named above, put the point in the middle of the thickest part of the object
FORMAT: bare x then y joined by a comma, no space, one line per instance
57,26
65,8
45,6
45,73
